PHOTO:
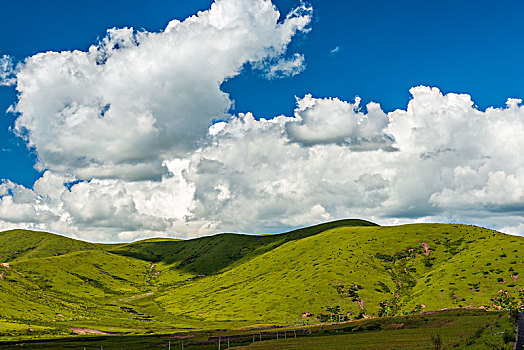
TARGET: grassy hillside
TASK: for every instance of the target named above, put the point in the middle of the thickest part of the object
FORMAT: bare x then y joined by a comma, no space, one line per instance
361,270
179,260
23,244
342,270
211,254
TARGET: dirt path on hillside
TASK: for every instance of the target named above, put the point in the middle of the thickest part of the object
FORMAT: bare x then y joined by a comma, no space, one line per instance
135,297
84,331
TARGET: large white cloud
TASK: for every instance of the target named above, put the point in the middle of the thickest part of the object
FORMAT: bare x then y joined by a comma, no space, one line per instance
138,98
124,133
447,161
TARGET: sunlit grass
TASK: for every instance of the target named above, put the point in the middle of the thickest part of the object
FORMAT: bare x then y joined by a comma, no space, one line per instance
337,271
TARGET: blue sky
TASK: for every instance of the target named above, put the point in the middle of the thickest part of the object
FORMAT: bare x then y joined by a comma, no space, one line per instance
385,47
376,50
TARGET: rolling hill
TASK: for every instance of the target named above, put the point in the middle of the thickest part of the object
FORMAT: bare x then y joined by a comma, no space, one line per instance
341,270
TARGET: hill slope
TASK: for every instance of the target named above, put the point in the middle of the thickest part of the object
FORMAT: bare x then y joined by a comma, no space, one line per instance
360,270
23,244
179,260
339,270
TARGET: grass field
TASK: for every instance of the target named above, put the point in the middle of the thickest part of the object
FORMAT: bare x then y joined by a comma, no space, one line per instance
457,329
343,270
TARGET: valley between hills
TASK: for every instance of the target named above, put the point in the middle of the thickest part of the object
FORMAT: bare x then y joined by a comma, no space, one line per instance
347,270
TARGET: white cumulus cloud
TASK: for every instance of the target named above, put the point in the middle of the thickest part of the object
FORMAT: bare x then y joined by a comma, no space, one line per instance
137,98
448,162
125,135
331,120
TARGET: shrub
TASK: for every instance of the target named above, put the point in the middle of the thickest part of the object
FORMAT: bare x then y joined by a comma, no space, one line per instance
437,341
508,337
385,309
504,300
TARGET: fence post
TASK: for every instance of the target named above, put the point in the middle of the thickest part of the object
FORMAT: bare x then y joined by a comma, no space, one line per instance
218,343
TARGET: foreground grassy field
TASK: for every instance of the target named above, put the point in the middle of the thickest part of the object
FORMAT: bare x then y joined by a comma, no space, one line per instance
52,286
457,329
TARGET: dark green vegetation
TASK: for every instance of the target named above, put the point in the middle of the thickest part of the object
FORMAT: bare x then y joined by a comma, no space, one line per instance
451,329
343,270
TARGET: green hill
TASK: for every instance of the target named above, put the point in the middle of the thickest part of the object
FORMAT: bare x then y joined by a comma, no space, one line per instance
23,244
211,254
340,270
357,269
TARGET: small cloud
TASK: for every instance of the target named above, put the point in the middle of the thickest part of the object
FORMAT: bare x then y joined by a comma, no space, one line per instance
7,71
285,67
335,50
333,121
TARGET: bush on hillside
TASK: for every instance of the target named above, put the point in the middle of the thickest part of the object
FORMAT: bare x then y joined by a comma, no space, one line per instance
504,300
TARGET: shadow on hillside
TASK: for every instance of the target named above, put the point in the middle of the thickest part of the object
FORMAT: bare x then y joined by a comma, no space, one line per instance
208,255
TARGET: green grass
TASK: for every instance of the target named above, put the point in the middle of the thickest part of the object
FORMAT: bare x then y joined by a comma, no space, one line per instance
458,329
319,272
344,270
17,245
